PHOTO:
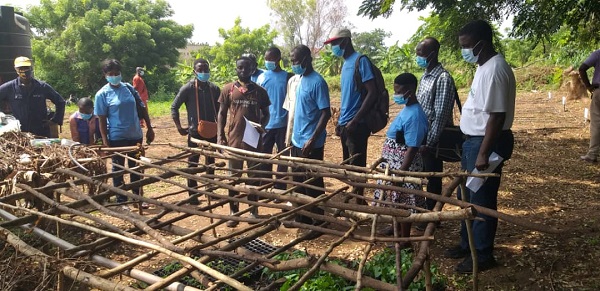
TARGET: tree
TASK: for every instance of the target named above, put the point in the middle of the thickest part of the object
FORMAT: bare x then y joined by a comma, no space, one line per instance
74,36
533,19
237,41
371,43
307,22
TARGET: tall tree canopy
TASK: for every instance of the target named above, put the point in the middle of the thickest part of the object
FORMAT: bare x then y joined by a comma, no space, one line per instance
307,22
74,36
533,19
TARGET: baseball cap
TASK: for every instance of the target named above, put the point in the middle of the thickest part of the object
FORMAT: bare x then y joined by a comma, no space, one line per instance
338,33
22,62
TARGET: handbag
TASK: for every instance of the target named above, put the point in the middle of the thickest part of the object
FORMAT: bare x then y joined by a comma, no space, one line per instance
449,145
206,129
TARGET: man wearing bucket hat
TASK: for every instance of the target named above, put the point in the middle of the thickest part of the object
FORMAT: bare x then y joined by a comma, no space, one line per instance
355,103
25,98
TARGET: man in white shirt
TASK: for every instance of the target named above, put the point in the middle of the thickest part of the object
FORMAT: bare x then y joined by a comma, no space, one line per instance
487,117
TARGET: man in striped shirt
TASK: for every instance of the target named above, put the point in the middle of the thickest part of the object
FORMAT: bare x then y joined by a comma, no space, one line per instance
436,96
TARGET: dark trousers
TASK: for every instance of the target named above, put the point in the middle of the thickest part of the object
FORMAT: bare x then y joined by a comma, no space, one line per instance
118,160
275,137
484,232
315,154
434,184
238,165
356,143
194,159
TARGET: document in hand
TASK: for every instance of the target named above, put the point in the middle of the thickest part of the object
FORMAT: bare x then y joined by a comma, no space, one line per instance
252,133
474,183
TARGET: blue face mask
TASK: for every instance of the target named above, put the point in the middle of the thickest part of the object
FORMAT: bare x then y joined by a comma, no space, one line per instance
203,77
400,99
114,80
337,50
298,69
422,62
469,56
270,65
85,116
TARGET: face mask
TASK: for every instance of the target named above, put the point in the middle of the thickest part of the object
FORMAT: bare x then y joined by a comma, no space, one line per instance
25,74
423,61
203,77
400,99
85,116
468,56
298,69
270,65
114,80
141,73
337,50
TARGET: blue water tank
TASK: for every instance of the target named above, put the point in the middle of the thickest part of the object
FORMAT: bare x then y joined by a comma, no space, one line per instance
15,41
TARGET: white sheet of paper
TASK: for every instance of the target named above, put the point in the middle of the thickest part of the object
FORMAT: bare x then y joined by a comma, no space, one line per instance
251,135
474,183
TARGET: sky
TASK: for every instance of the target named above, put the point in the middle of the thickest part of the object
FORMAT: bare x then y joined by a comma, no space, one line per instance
208,16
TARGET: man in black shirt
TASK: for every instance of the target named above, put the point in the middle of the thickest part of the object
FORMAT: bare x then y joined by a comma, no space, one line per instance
200,98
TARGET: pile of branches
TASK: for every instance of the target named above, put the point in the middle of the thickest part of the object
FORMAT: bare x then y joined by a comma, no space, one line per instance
20,158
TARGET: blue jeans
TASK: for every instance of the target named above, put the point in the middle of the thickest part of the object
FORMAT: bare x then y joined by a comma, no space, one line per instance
118,160
484,232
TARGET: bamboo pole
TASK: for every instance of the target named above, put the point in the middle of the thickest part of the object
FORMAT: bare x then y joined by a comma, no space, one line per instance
365,255
469,226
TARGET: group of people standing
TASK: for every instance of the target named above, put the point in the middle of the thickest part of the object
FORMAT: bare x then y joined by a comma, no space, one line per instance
293,109
275,100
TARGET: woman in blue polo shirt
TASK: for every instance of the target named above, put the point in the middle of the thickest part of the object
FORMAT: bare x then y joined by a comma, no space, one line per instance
401,148
117,106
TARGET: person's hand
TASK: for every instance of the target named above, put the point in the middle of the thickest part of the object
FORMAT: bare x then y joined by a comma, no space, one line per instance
482,162
182,131
149,135
222,140
308,147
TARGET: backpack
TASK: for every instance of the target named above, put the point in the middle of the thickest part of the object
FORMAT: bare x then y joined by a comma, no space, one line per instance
379,115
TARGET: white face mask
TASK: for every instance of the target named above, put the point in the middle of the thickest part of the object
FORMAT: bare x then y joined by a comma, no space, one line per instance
469,56
141,73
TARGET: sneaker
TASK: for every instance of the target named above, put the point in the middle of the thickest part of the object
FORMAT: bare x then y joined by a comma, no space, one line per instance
588,159
232,223
456,252
194,201
466,266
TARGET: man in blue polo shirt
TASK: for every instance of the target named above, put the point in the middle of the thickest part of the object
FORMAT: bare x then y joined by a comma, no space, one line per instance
25,98
312,112
274,80
356,104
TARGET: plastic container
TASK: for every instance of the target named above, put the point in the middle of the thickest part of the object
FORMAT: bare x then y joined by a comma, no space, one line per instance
15,41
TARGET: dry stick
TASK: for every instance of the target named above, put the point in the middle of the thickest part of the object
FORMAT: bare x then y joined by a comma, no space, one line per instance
184,271
187,268
44,259
60,277
232,282
363,260
363,208
421,256
268,256
138,223
353,172
398,256
309,161
483,210
469,227
321,260
428,275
